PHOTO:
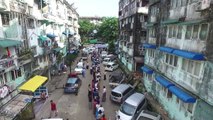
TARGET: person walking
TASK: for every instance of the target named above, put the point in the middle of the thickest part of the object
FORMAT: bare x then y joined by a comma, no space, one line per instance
83,72
104,94
104,75
53,110
103,117
91,70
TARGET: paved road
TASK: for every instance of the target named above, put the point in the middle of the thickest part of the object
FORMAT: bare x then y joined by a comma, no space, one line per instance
75,107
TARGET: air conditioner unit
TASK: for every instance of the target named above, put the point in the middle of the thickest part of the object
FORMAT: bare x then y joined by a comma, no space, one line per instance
202,5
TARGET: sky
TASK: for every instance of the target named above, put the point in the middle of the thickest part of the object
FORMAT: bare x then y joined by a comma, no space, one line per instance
99,8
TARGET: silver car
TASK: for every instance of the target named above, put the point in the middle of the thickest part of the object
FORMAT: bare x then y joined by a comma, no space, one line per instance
132,106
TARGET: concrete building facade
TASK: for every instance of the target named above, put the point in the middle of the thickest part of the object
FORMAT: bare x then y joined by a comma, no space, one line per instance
178,57
132,32
32,35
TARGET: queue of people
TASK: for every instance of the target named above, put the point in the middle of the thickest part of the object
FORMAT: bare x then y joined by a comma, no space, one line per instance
95,99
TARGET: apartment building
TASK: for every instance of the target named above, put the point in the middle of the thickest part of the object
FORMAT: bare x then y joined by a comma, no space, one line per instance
132,32
95,20
33,40
178,57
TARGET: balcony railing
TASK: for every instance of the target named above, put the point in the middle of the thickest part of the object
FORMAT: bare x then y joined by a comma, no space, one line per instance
4,64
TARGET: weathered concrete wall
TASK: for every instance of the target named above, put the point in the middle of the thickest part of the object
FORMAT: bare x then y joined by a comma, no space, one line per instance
203,111
206,89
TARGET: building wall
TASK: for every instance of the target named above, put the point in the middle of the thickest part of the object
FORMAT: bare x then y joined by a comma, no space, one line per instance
191,76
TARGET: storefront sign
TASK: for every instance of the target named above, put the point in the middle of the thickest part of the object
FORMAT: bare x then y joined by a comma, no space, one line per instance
4,91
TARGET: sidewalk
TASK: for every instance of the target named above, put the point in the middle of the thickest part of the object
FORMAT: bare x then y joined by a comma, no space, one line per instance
57,82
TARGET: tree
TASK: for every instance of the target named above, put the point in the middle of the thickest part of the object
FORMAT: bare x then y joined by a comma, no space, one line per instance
86,28
108,30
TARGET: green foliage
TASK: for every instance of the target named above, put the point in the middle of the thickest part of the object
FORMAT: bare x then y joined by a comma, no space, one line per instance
86,28
70,58
108,30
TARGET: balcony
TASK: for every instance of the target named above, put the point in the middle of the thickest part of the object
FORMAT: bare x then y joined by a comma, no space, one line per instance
130,39
4,5
25,56
130,51
124,48
6,63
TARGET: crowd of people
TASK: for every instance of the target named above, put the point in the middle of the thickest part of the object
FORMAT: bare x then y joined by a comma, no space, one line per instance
94,97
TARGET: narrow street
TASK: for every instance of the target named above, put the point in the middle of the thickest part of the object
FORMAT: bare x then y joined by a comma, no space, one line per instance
74,107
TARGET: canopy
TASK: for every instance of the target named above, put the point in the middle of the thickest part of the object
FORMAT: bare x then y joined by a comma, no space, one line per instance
33,83
4,42
182,95
171,21
146,45
166,49
58,49
163,81
94,41
42,38
147,70
189,55
51,36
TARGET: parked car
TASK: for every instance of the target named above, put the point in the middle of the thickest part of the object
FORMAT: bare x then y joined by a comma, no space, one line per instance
116,78
111,66
147,115
104,54
79,68
109,59
72,85
132,106
121,92
84,56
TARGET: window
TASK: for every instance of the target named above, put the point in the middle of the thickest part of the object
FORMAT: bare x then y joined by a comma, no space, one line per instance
174,31
170,31
12,75
195,31
188,32
18,72
171,60
31,23
1,80
5,19
193,67
177,100
40,59
169,94
151,53
179,35
5,77
203,31
190,107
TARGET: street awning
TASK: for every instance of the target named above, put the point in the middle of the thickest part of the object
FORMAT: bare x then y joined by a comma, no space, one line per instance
171,21
192,22
166,49
147,70
189,55
58,49
49,35
42,38
4,42
150,24
33,83
185,97
146,45
164,82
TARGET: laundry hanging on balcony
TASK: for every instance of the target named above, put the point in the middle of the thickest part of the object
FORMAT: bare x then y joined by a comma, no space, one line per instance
8,52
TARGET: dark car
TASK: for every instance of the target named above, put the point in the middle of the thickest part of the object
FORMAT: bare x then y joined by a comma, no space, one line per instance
72,85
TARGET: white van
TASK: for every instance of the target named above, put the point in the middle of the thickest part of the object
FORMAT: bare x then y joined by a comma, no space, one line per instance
111,66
